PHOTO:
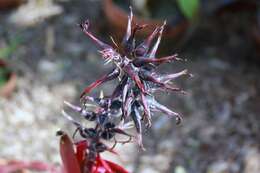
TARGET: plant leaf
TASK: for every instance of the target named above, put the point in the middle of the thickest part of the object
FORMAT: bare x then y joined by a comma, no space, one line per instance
7,51
189,8
68,156
3,75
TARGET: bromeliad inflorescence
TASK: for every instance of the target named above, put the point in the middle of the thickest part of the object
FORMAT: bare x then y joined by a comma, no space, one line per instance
132,102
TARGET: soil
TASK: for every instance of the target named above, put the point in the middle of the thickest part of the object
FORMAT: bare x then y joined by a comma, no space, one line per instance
55,61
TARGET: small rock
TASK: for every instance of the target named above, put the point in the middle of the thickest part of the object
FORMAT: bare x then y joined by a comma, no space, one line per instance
218,64
50,71
148,170
221,167
179,169
252,161
34,12
160,162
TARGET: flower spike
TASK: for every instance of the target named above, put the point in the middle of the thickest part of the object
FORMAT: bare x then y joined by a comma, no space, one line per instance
132,102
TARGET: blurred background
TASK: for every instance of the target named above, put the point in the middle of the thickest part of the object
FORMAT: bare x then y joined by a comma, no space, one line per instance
46,59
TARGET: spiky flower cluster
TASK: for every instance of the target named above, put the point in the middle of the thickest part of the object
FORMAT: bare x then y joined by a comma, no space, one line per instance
132,102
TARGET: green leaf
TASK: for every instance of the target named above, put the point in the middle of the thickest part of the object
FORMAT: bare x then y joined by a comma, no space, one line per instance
3,73
2,81
7,51
189,8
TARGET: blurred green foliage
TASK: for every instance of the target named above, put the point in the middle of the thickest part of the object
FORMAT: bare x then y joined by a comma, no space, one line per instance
3,76
7,51
189,8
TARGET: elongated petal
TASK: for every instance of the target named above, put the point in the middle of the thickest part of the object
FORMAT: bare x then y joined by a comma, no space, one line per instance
85,28
129,25
142,49
118,90
67,116
95,84
128,41
127,106
147,112
165,110
109,76
153,51
125,92
136,116
146,75
134,76
126,126
140,61
122,132
168,77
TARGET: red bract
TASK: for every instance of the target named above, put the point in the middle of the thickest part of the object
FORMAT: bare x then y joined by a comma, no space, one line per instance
68,156
75,160
107,167
17,166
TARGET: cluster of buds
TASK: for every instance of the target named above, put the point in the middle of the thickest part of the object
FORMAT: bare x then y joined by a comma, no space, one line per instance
132,102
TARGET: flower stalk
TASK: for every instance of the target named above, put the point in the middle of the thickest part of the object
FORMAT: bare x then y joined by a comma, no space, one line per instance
131,104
